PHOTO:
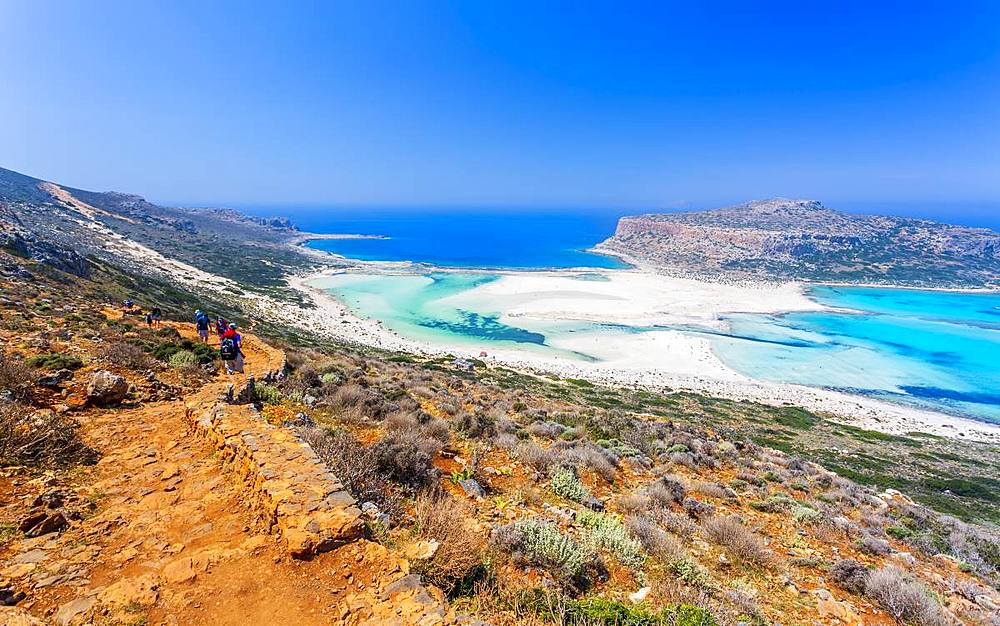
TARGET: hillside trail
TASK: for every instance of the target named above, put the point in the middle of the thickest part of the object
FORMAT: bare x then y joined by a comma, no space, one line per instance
171,540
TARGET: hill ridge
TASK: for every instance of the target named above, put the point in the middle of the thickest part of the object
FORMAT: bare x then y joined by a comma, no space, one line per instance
783,239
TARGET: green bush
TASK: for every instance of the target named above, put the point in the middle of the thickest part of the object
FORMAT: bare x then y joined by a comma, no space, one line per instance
608,534
543,544
54,362
203,352
899,532
771,477
594,611
615,613
268,394
806,515
692,573
183,359
776,503
331,378
566,484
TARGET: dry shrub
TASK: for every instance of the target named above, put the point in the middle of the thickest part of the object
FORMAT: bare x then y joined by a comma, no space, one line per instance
406,451
712,490
851,575
129,356
355,404
598,460
905,599
546,429
461,547
475,424
678,524
632,503
873,545
666,491
654,539
530,453
16,378
506,441
739,541
357,467
41,438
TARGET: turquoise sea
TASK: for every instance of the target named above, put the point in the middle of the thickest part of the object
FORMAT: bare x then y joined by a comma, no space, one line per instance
931,349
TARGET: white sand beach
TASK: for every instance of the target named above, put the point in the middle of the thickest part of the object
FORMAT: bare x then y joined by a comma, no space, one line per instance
657,360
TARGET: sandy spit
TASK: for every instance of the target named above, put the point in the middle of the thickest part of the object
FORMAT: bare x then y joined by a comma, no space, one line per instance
662,360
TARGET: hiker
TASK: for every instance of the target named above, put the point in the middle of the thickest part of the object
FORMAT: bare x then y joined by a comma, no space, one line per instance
231,350
149,319
157,315
221,326
201,323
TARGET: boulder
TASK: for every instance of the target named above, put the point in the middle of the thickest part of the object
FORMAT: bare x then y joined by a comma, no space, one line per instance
139,591
106,388
592,503
53,522
53,380
15,616
472,488
69,613
9,597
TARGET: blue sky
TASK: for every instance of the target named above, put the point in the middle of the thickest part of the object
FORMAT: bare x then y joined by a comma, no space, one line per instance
637,105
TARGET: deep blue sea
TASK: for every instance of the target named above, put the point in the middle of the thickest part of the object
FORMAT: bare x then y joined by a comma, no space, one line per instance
472,238
929,349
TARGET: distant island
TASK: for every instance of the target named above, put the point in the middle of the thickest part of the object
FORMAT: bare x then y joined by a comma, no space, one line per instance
785,239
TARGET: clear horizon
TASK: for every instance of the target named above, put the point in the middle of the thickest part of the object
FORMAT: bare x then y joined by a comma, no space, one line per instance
641,108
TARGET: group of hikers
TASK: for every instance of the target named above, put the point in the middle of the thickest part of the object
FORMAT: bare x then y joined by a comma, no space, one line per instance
152,317
230,341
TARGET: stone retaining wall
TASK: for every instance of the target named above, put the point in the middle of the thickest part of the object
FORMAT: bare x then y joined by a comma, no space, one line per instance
282,480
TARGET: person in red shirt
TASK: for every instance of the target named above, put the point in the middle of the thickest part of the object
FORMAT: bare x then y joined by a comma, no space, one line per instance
231,350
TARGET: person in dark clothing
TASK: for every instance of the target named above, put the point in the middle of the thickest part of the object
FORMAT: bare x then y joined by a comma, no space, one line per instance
201,322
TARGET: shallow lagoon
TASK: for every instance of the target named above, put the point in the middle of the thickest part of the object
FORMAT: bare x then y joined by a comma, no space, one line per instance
928,349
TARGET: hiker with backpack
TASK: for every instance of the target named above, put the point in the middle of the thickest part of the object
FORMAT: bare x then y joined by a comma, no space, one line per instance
201,323
221,326
231,350
156,315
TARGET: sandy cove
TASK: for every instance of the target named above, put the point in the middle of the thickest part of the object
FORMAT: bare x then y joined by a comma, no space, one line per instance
659,360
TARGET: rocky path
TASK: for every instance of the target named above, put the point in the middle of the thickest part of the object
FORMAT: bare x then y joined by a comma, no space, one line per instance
171,533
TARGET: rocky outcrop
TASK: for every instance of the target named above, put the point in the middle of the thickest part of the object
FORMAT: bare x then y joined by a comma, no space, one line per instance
31,247
106,388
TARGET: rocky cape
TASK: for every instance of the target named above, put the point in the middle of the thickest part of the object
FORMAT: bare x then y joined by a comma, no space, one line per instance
803,240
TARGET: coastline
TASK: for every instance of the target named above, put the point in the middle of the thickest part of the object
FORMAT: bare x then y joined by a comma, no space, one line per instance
693,365
300,239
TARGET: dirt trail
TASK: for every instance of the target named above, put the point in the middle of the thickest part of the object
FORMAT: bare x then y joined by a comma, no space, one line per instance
171,540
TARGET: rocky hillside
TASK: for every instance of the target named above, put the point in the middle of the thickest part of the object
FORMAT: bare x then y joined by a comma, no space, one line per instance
140,484
196,248
803,240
